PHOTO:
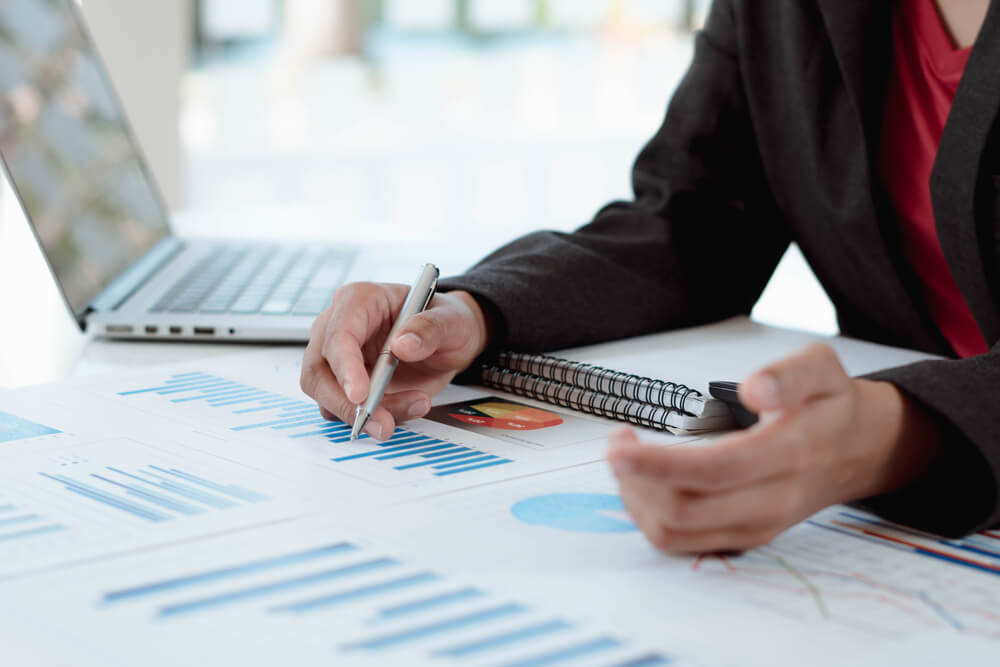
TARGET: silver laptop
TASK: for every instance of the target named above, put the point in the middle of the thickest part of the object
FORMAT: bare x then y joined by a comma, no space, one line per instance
84,185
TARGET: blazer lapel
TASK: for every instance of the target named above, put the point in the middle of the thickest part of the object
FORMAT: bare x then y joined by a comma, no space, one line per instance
860,33
958,179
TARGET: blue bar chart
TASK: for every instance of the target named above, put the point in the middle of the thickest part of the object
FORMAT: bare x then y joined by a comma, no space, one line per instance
154,493
373,604
61,501
406,454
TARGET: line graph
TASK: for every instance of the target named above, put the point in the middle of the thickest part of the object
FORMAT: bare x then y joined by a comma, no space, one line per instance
813,573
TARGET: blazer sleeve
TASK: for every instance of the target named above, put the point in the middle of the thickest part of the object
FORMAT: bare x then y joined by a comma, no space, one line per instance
697,243
958,494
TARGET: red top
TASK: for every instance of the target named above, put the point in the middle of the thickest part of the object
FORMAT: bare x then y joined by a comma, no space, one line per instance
926,71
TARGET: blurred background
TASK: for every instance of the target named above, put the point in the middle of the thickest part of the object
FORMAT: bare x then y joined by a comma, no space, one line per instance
416,121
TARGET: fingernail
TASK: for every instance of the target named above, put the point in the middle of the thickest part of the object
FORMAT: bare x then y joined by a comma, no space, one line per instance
419,408
374,429
765,392
410,339
347,391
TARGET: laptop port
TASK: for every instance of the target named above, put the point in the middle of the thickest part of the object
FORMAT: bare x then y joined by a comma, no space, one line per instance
118,328
205,331
175,330
151,329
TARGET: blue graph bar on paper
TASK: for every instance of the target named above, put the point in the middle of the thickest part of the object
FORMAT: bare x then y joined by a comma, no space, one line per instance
241,392
357,593
31,532
323,431
198,495
221,574
438,627
458,457
273,422
229,489
569,653
184,389
480,459
195,382
261,590
431,602
108,499
14,428
648,660
24,518
454,450
435,445
312,421
266,404
455,471
421,464
505,639
151,497
376,452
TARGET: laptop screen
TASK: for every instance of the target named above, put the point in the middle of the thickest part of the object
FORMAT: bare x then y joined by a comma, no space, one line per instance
69,152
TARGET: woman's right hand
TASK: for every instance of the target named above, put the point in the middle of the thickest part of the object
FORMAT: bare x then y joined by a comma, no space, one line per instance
433,347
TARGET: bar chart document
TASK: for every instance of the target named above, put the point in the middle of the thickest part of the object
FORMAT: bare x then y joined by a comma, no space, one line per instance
66,500
307,593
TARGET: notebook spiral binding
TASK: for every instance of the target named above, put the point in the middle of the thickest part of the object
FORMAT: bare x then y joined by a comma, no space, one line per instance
577,398
670,395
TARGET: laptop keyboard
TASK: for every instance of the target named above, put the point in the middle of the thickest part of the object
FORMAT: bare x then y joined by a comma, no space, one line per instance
272,280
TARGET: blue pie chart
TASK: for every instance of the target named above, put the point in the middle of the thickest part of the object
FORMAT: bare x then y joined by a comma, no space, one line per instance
575,512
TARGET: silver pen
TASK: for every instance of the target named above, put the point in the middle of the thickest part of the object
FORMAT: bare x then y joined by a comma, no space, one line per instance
417,300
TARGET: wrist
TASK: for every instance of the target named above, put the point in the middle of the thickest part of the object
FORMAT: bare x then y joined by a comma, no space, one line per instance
904,438
481,318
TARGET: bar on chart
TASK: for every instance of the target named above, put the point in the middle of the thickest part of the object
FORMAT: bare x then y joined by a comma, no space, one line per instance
14,428
155,493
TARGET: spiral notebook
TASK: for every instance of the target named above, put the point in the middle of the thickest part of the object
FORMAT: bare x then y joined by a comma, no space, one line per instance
658,404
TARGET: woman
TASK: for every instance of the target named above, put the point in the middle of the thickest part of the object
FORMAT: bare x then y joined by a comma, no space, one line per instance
864,131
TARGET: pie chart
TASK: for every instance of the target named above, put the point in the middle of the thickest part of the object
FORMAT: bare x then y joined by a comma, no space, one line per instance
575,512
506,416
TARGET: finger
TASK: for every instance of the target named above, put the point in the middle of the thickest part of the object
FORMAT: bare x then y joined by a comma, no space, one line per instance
700,467
774,504
811,373
319,383
342,351
358,313
405,405
734,538
422,335
685,540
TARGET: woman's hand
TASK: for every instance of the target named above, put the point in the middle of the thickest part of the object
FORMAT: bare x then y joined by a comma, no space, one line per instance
432,347
823,438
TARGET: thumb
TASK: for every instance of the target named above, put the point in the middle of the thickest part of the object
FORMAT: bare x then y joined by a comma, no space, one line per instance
811,373
421,336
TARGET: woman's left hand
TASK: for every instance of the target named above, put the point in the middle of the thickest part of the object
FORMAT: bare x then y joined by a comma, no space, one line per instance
822,438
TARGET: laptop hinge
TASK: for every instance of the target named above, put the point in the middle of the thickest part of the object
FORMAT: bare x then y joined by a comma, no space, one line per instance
134,277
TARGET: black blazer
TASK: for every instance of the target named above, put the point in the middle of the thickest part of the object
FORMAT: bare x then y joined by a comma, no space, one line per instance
773,137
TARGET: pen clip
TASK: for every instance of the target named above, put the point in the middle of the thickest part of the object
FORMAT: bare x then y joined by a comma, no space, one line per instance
430,294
